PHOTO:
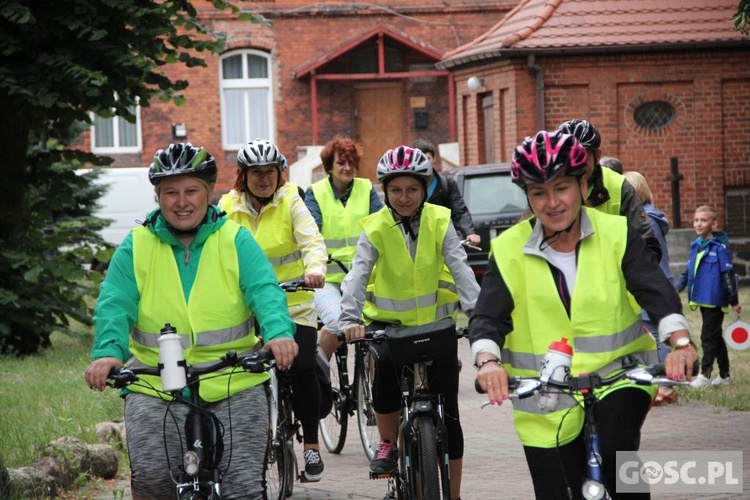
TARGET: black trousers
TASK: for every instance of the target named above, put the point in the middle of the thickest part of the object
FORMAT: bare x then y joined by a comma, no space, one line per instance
712,341
619,417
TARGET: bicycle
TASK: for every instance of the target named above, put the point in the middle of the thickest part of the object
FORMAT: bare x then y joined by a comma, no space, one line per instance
199,477
423,465
350,398
585,385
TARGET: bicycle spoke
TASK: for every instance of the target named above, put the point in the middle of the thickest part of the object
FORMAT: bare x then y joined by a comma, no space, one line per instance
368,430
334,426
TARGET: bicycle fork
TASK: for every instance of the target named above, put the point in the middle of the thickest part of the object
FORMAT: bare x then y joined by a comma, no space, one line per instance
593,486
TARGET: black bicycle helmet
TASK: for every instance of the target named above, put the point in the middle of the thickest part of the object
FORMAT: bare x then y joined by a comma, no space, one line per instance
584,132
182,159
259,153
547,156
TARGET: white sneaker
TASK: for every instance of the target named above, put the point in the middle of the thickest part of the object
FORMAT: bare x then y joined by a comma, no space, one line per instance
721,381
699,382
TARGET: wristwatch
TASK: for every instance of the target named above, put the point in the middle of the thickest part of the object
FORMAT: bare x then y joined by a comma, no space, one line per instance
682,343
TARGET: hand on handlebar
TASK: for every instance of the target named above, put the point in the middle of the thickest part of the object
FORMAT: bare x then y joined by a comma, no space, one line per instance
474,239
98,371
315,280
494,381
284,351
354,331
679,364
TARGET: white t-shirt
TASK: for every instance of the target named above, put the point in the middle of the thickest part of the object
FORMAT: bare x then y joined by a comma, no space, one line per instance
566,263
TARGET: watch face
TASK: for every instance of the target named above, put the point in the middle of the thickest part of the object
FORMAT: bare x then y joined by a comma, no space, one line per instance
683,342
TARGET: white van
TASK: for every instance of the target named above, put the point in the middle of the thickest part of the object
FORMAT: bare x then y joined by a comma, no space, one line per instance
127,201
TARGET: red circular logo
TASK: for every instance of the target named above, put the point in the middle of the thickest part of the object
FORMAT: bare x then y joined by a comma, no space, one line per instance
740,335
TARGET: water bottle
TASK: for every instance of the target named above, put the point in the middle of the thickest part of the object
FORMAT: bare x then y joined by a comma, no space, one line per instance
555,367
171,360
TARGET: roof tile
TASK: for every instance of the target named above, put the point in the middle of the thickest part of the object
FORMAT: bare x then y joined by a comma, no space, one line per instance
541,25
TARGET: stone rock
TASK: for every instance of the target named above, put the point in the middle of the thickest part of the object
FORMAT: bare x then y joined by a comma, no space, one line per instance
109,432
72,455
51,467
4,479
103,460
30,482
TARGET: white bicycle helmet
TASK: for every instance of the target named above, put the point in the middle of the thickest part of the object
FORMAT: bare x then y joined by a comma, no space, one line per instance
259,153
404,160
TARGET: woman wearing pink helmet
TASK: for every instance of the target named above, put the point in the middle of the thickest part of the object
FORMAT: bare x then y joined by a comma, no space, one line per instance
566,272
410,242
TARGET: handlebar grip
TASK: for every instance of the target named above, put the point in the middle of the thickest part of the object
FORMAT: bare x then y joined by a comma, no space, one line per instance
513,383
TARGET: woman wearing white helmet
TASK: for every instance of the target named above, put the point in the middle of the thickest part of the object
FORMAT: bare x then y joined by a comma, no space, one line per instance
410,242
273,211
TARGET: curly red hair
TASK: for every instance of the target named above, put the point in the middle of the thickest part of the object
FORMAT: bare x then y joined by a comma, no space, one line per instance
346,148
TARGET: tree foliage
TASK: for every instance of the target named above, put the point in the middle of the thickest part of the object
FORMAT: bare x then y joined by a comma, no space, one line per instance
60,61
741,18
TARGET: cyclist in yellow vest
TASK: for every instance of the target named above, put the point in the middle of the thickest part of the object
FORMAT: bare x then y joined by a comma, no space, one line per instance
566,272
338,203
608,191
273,211
410,242
189,266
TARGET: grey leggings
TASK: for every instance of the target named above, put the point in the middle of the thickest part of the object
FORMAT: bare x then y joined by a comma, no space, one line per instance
149,420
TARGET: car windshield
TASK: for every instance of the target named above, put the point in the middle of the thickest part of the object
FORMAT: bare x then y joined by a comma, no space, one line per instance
486,194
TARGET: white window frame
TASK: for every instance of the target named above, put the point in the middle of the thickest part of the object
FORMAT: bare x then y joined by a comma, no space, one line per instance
246,83
116,133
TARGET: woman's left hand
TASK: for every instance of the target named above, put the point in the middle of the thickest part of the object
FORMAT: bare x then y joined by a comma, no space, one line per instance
315,280
679,364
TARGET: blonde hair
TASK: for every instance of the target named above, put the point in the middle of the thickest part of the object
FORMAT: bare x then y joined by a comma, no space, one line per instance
641,186
709,209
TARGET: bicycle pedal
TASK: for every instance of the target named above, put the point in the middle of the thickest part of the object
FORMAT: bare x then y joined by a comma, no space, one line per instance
382,475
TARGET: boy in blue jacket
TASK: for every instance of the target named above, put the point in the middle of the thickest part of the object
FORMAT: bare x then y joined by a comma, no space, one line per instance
711,286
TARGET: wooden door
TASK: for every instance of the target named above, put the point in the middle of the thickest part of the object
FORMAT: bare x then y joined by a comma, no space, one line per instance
379,123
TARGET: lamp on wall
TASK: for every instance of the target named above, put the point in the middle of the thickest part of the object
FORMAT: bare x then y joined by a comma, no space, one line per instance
179,131
475,83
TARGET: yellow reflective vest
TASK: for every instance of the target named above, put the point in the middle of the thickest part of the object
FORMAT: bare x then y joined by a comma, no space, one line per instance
602,327
341,224
214,320
613,182
406,291
275,235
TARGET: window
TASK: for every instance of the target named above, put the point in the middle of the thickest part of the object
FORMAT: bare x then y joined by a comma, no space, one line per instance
654,115
116,134
246,99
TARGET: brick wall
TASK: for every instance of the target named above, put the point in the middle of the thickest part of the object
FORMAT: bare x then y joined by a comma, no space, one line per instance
710,134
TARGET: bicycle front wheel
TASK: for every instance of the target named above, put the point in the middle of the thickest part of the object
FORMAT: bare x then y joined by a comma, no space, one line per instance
334,426
278,467
368,428
428,479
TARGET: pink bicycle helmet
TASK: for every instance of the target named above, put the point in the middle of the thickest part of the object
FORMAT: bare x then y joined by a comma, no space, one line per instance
547,156
404,160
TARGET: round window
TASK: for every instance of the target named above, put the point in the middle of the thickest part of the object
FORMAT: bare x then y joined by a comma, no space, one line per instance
654,115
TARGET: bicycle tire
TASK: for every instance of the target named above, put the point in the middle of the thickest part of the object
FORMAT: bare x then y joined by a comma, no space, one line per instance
428,479
368,429
291,467
334,426
278,464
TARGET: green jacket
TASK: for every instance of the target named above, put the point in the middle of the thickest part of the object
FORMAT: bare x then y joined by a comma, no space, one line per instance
117,307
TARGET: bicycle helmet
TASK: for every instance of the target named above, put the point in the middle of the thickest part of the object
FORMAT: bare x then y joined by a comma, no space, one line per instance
259,153
404,160
584,132
182,159
547,156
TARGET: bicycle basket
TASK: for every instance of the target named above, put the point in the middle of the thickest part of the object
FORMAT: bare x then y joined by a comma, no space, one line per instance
420,344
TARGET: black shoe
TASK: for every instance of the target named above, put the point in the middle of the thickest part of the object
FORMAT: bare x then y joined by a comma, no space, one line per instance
314,468
386,456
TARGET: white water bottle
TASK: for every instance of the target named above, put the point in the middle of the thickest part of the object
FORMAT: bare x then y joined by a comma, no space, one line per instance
171,360
555,367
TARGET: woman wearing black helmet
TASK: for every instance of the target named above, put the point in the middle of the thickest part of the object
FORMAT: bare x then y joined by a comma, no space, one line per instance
273,211
409,243
608,191
567,272
158,275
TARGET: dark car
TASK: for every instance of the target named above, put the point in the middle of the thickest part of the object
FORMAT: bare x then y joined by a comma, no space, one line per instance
495,204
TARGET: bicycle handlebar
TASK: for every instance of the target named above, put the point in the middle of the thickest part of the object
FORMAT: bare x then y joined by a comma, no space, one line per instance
295,286
466,244
258,362
379,336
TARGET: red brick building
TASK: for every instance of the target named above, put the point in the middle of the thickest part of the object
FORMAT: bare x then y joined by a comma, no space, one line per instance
660,79
366,70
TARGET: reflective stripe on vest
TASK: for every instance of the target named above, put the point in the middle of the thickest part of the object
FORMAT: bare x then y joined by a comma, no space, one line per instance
341,228
603,327
406,291
212,321
275,236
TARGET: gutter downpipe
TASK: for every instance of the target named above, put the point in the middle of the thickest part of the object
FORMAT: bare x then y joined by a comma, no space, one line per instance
538,73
